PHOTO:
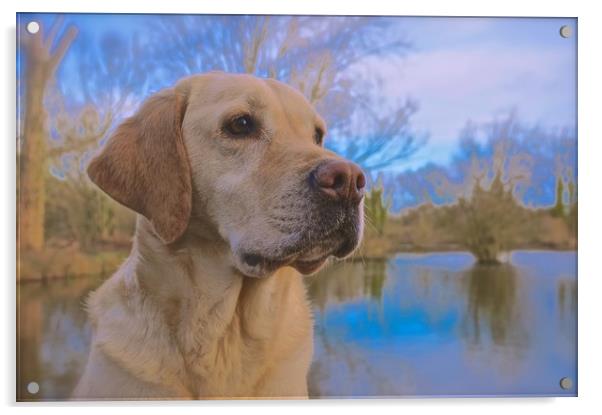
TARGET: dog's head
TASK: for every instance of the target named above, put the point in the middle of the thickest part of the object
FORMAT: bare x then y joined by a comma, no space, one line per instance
242,156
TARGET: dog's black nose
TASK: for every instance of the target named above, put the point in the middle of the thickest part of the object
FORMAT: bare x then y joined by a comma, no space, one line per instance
340,180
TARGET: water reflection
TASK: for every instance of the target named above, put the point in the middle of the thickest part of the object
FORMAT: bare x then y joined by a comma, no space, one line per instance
493,306
54,336
411,325
347,281
567,297
445,326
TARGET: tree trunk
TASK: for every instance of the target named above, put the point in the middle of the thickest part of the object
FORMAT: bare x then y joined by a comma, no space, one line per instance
33,167
41,63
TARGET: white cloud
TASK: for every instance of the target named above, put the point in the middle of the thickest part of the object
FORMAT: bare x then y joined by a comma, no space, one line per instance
477,81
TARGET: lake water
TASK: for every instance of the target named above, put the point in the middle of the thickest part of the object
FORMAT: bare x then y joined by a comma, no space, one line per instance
414,325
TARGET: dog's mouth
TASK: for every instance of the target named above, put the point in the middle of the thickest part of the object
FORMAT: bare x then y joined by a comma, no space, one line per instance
306,256
256,265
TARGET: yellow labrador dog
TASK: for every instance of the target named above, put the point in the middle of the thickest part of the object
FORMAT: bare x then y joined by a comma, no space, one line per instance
236,198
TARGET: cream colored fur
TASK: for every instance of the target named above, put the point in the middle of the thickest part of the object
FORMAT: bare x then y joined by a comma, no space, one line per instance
185,317
209,333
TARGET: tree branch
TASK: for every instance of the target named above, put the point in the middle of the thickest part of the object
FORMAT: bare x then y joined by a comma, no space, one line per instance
62,47
54,29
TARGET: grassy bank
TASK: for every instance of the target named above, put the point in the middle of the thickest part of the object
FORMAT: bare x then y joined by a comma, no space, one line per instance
55,263
431,229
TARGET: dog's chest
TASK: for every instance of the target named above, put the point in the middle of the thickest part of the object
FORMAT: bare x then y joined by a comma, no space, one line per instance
241,342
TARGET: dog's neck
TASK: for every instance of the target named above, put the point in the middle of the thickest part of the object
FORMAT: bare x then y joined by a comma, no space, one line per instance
206,304
196,270
194,281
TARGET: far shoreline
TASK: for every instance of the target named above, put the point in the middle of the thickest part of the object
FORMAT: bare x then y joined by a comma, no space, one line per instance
103,264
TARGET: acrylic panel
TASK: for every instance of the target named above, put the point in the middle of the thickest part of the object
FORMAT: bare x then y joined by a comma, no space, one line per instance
277,207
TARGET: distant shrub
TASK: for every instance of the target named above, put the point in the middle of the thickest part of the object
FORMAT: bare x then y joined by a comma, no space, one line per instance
488,221
377,209
77,212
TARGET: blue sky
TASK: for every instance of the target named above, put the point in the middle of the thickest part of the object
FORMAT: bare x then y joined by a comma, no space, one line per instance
462,69
458,69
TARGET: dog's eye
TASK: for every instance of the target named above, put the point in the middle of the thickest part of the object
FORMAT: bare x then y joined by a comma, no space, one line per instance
242,125
318,136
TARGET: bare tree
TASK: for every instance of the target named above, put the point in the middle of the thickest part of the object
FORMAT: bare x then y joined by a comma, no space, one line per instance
377,139
43,54
64,118
488,217
112,72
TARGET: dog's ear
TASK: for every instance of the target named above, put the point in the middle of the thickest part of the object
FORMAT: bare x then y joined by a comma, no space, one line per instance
144,165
